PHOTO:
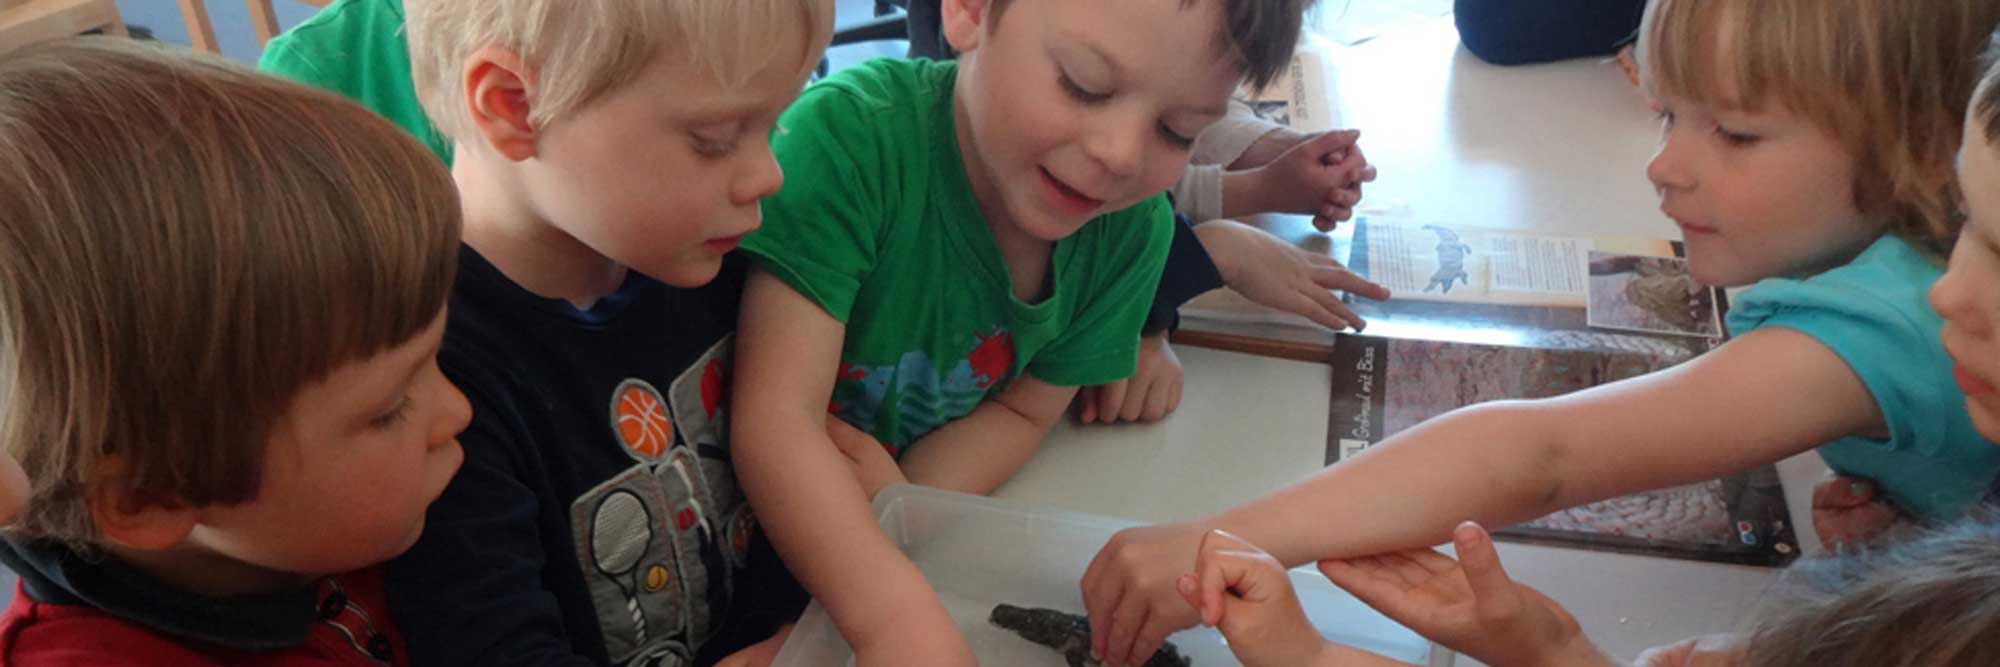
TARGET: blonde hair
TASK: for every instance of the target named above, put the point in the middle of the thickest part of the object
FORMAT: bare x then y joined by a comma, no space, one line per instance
1889,78
183,245
1933,601
579,50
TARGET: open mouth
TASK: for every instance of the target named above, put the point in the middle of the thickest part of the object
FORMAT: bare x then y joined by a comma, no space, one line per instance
1067,198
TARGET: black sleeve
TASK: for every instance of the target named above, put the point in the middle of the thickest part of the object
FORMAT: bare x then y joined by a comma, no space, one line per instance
1190,272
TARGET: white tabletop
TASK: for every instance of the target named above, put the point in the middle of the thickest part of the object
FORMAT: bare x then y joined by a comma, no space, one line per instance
1555,148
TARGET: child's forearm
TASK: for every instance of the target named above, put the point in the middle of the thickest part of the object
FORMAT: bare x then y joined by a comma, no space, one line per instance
1497,463
1243,194
1341,655
819,520
981,451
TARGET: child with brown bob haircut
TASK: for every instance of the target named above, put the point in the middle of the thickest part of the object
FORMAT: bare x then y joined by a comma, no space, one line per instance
221,298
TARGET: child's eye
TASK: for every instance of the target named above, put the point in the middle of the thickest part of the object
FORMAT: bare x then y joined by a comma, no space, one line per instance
394,416
1736,139
1175,139
1077,92
710,148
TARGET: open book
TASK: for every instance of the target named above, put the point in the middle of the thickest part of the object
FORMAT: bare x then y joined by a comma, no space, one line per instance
1382,386
1475,285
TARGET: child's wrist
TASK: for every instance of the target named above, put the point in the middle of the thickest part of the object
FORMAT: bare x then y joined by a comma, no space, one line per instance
1213,234
1578,651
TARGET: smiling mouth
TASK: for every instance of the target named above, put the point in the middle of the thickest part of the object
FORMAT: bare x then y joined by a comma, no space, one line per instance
1070,198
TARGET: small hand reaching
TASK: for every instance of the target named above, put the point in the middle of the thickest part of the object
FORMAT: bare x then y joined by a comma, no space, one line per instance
1847,513
1153,391
1246,593
1269,271
868,458
1469,604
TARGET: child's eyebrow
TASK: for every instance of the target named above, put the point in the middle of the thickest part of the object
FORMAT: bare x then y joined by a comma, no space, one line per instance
1117,73
728,109
1117,69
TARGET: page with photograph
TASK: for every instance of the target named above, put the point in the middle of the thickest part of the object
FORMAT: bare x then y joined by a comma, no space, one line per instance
1382,386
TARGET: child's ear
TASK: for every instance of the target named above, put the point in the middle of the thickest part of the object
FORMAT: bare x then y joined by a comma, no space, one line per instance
129,518
963,20
496,97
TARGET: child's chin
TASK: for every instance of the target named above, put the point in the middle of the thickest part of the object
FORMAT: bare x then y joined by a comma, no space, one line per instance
1983,420
689,274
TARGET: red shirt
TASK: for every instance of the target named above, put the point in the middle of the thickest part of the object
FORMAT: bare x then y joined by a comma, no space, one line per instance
353,615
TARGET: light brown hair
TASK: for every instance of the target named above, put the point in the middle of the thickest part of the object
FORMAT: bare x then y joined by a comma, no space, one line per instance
184,244
1986,102
1933,601
579,50
1259,35
1889,78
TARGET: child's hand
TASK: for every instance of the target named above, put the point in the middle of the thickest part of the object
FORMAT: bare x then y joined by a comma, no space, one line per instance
1269,271
1153,391
1246,594
870,460
1132,590
1321,177
1846,512
1469,605
760,654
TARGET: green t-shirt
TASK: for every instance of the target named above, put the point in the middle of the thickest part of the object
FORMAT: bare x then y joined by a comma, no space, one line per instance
356,48
877,224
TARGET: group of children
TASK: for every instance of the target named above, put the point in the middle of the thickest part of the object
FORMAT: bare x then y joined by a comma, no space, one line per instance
288,390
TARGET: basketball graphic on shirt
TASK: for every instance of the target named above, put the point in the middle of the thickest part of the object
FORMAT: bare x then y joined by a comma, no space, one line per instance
639,416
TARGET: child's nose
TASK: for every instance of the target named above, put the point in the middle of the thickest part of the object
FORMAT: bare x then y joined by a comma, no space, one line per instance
1955,301
1668,168
762,179
1119,147
453,415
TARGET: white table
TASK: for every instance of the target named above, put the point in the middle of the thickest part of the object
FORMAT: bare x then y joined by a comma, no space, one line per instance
1555,148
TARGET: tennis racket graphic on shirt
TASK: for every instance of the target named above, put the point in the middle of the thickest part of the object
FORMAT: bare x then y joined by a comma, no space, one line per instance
621,532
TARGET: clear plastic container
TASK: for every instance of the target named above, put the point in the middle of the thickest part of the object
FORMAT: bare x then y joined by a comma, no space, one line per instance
978,552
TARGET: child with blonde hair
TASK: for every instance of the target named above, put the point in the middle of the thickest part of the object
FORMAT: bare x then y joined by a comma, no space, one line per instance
221,297
1927,600
609,154
1794,157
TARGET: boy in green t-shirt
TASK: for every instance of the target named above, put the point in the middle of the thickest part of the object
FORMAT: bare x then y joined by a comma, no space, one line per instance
957,248
357,48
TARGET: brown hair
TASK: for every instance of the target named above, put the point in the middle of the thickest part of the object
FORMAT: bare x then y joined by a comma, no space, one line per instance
1889,78
184,244
1259,35
1930,602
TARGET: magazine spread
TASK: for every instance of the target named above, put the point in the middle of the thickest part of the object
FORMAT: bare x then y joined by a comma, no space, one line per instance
1473,285
1383,385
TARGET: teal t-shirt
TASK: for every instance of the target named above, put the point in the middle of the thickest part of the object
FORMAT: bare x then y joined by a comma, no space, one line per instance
356,48
1874,313
877,224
